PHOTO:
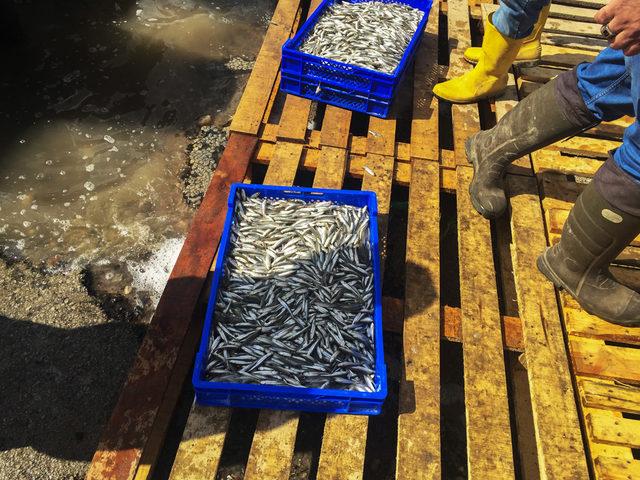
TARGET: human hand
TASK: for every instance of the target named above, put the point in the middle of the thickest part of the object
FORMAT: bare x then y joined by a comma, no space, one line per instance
623,20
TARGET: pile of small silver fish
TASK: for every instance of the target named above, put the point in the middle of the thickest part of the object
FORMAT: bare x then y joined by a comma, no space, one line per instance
295,303
372,34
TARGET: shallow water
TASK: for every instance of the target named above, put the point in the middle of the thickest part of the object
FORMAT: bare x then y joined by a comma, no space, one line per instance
96,99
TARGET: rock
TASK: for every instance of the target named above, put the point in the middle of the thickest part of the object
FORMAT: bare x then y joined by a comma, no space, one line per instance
205,120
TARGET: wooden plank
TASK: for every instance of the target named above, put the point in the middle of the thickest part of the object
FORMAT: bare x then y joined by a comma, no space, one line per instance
254,101
609,395
571,40
506,102
572,12
133,417
294,119
284,164
594,358
614,430
550,161
564,56
540,74
571,27
608,468
272,448
452,328
343,447
331,168
335,127
485,384
200,449
424,124
582,324
273,442
355,166
560,450
596,4
521,398
295,114
179,375
418,455
345,436
382,136
466,120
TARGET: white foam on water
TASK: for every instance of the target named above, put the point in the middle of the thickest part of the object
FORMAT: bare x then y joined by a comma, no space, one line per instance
151,275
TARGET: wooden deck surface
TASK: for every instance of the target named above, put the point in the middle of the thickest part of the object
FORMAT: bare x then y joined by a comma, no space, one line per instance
549,392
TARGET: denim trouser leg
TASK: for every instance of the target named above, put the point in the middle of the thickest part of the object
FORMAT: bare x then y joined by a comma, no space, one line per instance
516,18
610,87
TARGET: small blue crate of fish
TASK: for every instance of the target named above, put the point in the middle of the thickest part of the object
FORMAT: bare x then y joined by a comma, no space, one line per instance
294,319
354,53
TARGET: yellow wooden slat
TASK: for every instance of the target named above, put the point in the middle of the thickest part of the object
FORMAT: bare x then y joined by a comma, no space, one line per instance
200,449
610,395
608,468
295,113
332,165
284,164
272,448
614,430
560,450
580,323
418,455
466,120
347,435
485,387
594,358
335,127
294,119
254,101
424,125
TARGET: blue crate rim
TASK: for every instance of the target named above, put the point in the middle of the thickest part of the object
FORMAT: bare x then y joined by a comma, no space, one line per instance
304,79
310,22
301,393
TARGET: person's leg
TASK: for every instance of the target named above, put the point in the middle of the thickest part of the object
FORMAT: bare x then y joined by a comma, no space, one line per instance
530,51
504,34
606,216
515,18
553,112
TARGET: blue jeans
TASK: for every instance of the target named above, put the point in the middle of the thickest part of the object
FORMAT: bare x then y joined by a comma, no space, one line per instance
515,18
610,85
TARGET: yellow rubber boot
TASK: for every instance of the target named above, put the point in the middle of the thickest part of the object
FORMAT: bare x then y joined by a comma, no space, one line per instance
530,50
489,77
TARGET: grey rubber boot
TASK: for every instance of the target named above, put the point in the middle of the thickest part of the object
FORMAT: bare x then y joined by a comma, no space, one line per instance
551,113
593,236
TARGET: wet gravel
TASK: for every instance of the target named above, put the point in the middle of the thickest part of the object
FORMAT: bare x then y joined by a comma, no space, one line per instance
62,362
203,154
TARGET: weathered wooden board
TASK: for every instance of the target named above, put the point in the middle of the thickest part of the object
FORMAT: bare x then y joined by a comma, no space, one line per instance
254,101
485,384
418,455
560,450
132,420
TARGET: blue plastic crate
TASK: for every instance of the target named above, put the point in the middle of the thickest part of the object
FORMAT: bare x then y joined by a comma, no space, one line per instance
348,86
285,397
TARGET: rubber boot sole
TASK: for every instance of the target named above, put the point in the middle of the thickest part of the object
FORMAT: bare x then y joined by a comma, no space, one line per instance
546,269
472,159
517,63
491,96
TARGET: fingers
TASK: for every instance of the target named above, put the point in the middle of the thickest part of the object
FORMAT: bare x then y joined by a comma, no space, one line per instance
620,41
634,49
604,15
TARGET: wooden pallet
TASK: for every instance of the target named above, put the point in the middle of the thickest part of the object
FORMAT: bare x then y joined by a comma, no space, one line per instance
521,417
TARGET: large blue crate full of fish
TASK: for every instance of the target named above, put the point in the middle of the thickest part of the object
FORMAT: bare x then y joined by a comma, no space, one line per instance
354,53
294,319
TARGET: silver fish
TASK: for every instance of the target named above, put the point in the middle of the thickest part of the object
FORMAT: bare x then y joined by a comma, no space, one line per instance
295,304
